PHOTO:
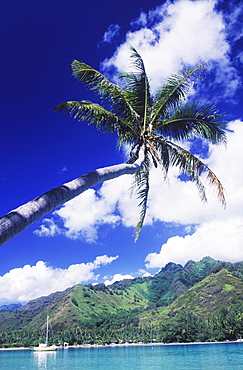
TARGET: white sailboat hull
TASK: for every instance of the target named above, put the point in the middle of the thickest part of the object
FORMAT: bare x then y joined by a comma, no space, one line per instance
44,347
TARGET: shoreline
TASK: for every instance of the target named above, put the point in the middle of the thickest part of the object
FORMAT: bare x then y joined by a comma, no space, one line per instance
121,345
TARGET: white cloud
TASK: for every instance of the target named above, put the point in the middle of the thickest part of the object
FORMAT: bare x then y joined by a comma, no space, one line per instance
144,273
120,277
48,228
179,202
176,34
219,239
111,33
117,277
82,216
141,21
30,282
219,232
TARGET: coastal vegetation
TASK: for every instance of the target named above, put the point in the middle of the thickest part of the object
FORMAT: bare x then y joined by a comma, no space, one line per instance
201,301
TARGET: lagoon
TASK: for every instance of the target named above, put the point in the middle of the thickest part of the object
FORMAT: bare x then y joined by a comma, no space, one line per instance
218,356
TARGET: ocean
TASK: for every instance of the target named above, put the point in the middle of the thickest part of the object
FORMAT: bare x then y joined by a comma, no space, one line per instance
216,356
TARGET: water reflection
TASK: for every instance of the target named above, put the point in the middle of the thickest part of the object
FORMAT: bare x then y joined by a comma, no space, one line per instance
41,359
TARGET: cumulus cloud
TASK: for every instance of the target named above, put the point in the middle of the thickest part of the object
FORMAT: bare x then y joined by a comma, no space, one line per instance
168,39
82,216
30,282
141,21
118,277
48,228
219,239
144,273
219,232
226,162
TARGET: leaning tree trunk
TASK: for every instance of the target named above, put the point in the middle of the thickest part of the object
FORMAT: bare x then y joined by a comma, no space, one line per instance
24,216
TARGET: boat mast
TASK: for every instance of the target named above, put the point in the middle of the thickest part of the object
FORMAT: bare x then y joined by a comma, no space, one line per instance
47,330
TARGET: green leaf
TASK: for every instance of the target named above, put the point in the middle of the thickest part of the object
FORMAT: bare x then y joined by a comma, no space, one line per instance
170,96
108,91
138,90
98,116
194,119
142,183
193,167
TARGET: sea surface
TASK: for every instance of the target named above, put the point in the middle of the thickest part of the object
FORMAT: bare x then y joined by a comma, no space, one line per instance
220,356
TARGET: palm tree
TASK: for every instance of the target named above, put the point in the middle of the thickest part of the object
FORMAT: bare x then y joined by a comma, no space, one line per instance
150,124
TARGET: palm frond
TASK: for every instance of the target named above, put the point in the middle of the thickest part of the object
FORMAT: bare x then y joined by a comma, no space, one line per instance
193,168
137,61
134,152
173,92
142,186
151,145
163,150
194,119
107,90
137,88
98,116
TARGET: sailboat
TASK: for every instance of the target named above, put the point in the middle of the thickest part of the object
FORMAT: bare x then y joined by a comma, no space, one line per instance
44,346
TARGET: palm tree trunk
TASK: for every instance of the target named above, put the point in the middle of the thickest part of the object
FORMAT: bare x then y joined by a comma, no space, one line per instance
24,216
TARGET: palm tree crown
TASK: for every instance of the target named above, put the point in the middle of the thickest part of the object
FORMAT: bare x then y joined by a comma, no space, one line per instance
151,124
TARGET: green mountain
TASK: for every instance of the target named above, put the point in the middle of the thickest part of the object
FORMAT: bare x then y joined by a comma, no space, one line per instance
206,299
211,295
86,306
79,305
173,280
199,292
211,310
19,318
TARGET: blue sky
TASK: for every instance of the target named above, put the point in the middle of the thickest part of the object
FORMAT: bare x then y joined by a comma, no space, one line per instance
90,239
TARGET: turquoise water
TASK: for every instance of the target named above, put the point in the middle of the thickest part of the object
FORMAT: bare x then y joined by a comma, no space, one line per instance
154,357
